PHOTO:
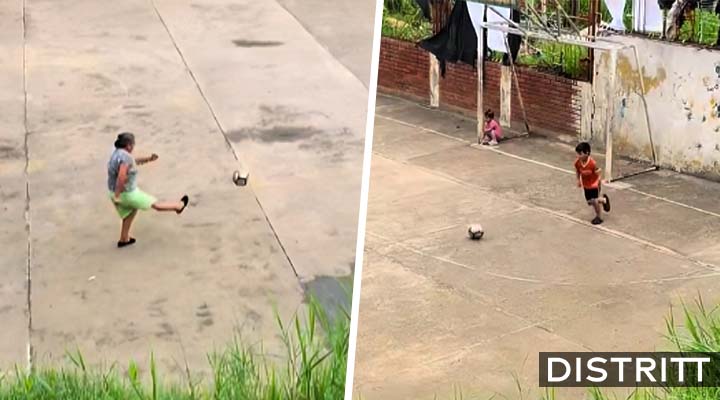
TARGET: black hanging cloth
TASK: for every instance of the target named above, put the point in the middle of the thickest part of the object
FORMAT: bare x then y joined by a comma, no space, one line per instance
457,41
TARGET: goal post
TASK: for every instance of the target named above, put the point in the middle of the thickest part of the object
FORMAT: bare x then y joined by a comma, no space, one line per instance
624,159
618,164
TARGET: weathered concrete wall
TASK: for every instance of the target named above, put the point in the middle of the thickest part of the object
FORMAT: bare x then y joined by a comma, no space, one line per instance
682,89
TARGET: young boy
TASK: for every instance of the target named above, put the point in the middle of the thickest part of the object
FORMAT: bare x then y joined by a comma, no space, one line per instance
492,130
588,176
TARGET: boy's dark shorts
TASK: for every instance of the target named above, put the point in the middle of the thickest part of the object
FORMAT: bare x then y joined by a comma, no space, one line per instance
592,194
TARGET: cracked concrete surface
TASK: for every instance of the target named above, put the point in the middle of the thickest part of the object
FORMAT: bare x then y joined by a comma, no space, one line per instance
95,69
439,310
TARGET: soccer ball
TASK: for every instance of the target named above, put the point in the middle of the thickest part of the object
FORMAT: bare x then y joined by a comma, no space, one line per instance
240,179
475,232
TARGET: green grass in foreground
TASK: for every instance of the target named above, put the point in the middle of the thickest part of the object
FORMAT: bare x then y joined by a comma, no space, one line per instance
316,356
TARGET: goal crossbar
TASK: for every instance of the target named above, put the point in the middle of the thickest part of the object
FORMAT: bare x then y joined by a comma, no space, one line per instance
595,43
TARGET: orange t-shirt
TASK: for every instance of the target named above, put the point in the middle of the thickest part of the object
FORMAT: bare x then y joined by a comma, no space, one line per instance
590,178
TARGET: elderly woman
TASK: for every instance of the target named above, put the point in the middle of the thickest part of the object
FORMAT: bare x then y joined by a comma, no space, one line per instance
122,183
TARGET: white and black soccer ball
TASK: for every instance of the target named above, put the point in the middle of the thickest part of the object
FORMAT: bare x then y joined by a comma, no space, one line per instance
240,179
475,232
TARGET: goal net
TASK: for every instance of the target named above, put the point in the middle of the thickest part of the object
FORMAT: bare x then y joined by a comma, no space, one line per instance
623,145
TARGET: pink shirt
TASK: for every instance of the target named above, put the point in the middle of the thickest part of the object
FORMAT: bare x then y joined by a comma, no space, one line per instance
494,126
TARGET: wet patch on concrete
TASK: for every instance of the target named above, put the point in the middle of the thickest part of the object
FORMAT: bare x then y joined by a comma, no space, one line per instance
275,134
141,114
204,315
201,7
10,152
323,144
156,308
104,341
253,316
332,146
283,125
129,334
334,294
278,114
101,80
112,129
10,196
256,43
166,330
204,323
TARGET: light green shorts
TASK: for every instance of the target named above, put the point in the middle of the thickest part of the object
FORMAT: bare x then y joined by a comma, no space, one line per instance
131,201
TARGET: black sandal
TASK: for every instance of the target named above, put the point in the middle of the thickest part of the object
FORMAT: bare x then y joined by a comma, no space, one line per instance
606,204
128,243
185,200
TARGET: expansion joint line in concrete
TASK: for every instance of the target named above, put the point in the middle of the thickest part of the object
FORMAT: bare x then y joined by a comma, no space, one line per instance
26,149
222,130
540,163
612,232
322,46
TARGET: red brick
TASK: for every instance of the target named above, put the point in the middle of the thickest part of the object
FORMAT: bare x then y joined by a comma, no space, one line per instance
553,103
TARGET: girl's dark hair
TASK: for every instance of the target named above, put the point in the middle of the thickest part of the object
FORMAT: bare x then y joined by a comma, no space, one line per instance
583,148
124,139
489,114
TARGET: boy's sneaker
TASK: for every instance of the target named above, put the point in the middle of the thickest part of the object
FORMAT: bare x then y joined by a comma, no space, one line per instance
606,204
494,143
596,221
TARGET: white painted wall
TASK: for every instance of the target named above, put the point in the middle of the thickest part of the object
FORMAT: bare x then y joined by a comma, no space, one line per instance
683,96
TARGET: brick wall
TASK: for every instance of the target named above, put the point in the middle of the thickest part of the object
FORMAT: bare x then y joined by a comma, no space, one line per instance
553,103
458,89
404,69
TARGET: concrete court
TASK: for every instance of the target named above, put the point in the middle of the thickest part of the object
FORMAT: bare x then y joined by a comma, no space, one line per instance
291,111
438,310
343,27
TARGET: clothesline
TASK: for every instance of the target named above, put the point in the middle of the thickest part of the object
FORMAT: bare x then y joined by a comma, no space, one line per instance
458,39
598,43
647,16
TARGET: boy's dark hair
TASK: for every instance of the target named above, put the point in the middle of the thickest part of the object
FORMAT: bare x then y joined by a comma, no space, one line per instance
583,147
489,114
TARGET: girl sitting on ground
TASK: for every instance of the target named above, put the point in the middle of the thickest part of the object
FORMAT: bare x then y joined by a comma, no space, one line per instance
492,130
